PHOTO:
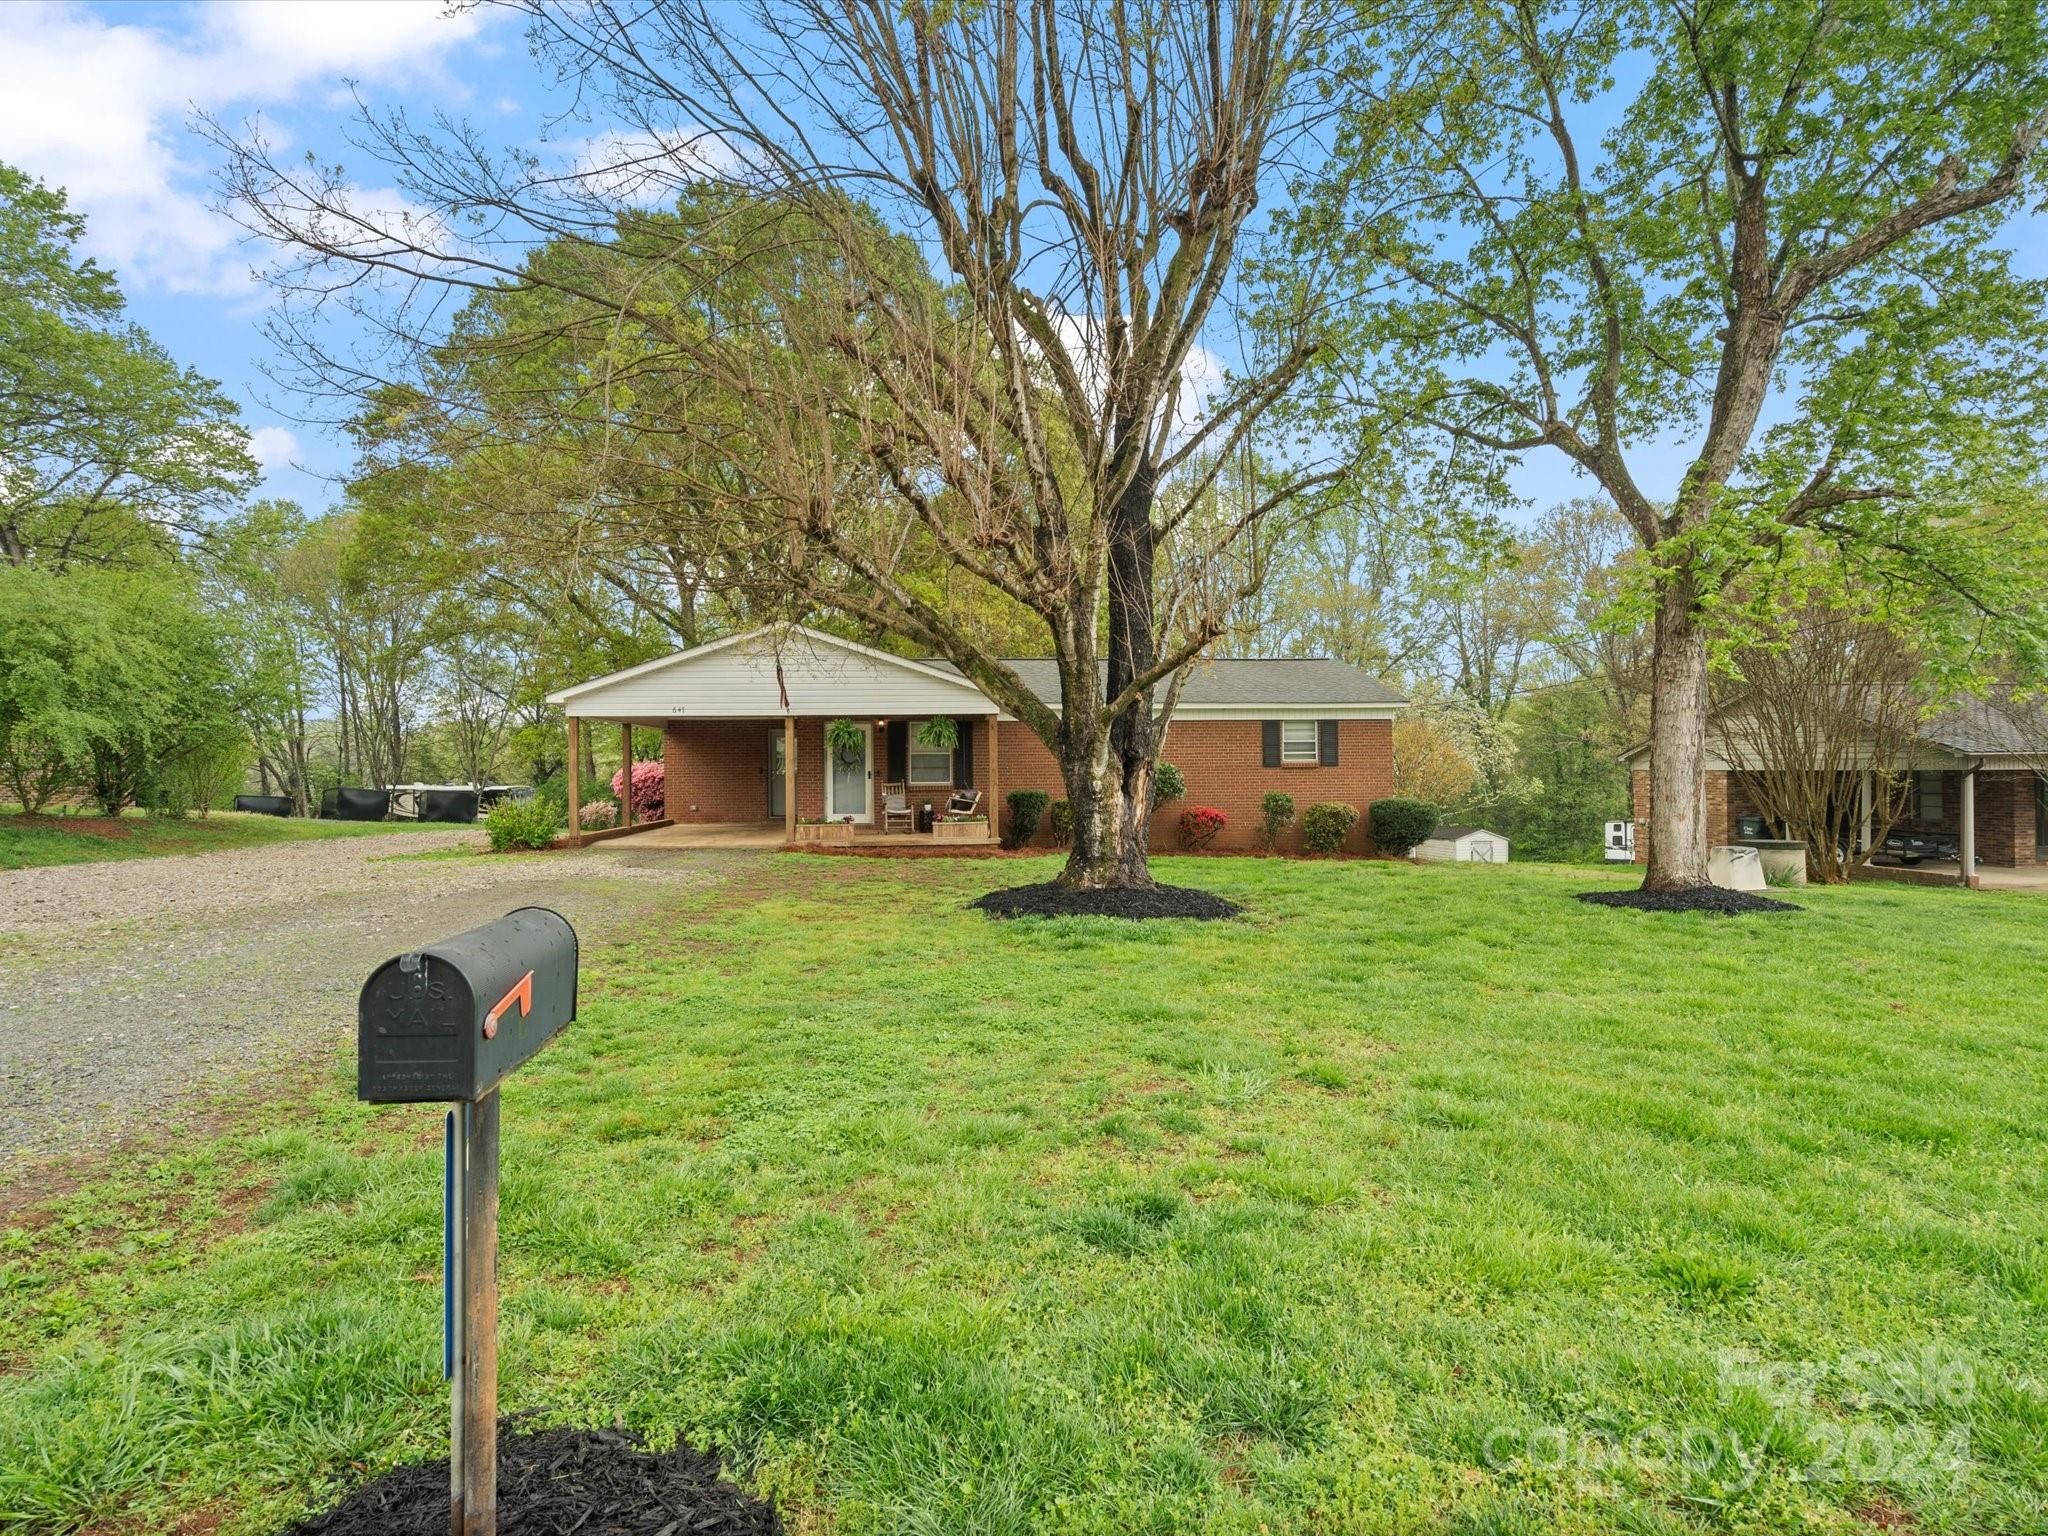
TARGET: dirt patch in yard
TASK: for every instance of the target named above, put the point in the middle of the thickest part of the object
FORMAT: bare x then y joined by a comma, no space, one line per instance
90,826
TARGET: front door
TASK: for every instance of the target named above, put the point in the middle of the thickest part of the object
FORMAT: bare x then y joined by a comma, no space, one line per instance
846,779
777,775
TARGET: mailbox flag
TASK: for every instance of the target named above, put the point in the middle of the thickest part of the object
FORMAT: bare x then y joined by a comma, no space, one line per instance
521,993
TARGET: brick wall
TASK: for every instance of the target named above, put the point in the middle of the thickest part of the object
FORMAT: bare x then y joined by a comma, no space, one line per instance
1727,803
717,770
1222,761
2005,819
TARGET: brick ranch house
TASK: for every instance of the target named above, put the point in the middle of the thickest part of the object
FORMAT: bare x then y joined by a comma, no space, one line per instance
1974,772
743,734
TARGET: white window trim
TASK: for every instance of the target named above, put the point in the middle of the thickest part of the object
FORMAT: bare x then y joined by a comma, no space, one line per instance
1290,754
911,749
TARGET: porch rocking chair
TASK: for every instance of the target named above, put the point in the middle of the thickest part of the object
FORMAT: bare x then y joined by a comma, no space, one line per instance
896,807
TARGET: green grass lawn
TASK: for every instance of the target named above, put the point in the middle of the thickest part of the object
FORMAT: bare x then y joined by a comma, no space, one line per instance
1421,1199
29,841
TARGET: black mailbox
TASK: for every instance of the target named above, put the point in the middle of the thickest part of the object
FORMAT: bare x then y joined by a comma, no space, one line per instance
448,1022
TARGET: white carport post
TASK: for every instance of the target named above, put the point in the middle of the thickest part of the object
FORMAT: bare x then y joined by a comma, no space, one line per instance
1969,818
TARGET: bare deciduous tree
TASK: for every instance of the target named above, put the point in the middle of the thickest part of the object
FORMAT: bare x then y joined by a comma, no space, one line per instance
1082,174
1828,697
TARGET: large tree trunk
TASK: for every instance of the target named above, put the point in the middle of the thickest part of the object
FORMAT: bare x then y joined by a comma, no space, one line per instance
1112,814
1678,744
1109,775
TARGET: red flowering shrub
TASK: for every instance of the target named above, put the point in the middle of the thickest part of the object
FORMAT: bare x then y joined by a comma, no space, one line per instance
649,791
1199,825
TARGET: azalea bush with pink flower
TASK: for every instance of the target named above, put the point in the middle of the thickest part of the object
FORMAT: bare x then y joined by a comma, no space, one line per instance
1199,825
650,791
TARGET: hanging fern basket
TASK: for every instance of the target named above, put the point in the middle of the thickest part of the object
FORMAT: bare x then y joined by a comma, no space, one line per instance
846,740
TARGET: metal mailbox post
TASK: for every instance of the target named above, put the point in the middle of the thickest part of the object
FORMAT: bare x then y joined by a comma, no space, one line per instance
443,1024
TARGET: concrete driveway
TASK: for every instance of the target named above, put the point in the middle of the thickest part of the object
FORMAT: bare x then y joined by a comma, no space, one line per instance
125,988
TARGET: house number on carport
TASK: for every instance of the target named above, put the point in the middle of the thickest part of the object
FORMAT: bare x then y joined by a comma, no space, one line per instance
449,1023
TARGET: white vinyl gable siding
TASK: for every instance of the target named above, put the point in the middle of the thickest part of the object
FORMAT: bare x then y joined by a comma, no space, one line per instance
737,681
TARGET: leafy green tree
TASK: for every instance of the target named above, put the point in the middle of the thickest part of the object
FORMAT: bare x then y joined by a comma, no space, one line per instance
1763,232
258,577
70,670
109,447
178,715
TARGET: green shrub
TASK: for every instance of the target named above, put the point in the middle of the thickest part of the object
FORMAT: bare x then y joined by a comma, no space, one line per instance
1398,824
1027,809
1063,823
1276,813
1167,784
522,824
1325,825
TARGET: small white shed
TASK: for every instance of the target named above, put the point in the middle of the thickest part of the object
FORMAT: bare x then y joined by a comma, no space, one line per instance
1464,845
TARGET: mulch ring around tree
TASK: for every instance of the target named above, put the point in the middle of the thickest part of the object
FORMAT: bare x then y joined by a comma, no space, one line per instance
592,1482
1054,900
1701,898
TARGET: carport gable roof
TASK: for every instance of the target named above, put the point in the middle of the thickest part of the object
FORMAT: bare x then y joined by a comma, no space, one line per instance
825,674
766,674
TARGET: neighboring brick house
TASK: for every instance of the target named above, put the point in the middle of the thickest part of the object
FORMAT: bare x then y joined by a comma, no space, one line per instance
743,723
2000,743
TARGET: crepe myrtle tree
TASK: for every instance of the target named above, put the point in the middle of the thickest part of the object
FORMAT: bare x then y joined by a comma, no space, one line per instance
1764,232
1053,407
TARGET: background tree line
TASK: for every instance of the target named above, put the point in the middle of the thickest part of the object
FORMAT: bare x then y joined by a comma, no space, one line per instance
883,341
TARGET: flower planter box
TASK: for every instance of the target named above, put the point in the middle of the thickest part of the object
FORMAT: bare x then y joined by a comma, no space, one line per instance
960,831
824,832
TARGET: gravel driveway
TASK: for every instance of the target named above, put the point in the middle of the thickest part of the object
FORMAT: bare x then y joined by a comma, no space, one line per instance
125,986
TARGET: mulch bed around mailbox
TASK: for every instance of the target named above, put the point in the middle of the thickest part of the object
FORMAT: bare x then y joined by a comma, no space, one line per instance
1705,898
554,1482
1055,900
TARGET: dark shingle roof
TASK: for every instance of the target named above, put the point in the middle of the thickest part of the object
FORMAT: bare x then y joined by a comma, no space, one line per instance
1240,682
1996,724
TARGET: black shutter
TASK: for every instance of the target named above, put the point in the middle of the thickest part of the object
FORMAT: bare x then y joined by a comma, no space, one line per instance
963,756
899,752
1326,743
1269,742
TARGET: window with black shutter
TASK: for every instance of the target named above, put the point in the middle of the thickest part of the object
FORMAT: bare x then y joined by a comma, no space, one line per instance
1269,743
1326,743
898,755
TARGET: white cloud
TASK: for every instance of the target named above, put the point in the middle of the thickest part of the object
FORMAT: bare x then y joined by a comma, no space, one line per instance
645,170
99,107
274,448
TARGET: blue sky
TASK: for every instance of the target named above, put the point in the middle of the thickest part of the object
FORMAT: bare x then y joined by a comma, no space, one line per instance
96,98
